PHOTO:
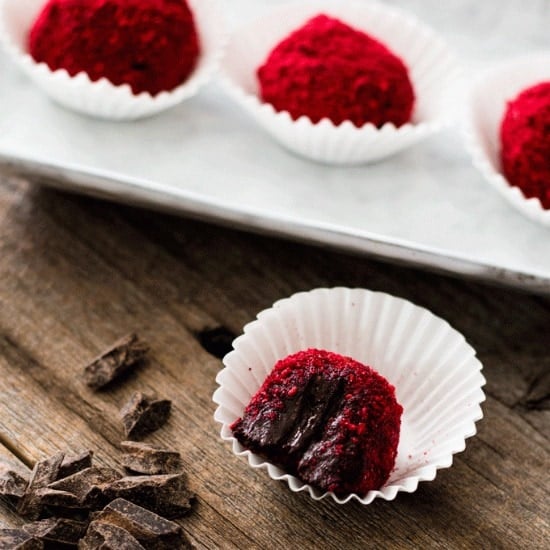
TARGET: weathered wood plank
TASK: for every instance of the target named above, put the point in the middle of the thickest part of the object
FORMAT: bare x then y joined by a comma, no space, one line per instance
75,274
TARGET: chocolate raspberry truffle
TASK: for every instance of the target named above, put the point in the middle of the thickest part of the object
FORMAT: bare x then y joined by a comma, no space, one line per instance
327,69
152,45
327,419
525,142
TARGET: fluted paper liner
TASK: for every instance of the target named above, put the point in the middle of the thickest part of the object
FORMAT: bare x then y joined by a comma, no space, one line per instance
101,98
487,106
431,65
435,372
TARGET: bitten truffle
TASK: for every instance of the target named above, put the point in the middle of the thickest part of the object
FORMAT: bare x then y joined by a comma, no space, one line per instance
152,45
327,69
525,142
327,419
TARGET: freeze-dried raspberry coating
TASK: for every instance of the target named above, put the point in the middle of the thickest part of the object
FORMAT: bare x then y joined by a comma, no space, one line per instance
327,419
327,69
152,45
525,142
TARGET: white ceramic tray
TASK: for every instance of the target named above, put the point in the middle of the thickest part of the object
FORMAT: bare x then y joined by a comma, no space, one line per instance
207,159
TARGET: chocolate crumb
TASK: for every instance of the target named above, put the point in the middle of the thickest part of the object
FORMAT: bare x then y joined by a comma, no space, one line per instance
17,539
57,531
144,414
538,394
143,458
124,355
75,463
44,472
150,529
166,495
107,536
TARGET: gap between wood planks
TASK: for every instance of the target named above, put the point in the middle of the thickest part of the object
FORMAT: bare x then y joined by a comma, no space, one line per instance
18,453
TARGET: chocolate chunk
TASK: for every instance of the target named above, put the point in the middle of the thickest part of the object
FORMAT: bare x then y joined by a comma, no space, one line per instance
150,529
143,458
44,472
120,358
75,463
144,414
166,495
87,486
57,531
106,536
12,482
58,499
17,539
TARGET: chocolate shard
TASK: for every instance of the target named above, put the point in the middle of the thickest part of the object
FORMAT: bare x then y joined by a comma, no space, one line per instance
87,486
143,458
124,355
106,536
144,414
57,531
75,463
150,529
166,495
58,499
44,472
17,539
12,481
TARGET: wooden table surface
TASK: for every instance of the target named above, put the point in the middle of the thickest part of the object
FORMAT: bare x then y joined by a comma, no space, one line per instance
77,273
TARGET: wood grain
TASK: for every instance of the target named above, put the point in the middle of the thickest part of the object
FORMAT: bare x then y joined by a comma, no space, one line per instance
76,274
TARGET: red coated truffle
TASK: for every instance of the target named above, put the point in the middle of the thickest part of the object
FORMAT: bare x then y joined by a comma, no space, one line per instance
152,45
327,419
327,69
525,142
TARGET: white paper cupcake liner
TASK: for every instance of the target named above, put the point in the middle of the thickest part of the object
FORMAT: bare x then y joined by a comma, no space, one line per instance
435,372
432,69
103,99
486,107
